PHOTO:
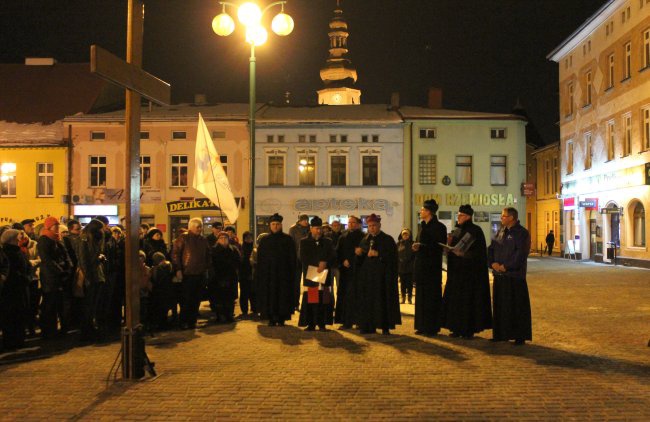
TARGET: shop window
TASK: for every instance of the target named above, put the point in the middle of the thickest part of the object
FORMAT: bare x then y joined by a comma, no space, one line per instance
639,225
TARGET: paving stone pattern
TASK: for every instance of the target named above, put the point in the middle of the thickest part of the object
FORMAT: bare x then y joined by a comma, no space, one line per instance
589,360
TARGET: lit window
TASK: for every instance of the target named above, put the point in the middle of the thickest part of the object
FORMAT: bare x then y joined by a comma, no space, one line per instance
498,170
427,169
7,179
639,225
97,171
179,171
307,169
45,187
464,170
145,171
611,140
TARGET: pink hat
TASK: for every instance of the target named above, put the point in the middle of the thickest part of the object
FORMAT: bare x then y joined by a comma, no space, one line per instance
50,221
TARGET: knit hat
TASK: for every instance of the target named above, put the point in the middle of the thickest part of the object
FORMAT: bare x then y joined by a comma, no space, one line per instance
50,222
9,236
316,222
466,209
276,217
431,205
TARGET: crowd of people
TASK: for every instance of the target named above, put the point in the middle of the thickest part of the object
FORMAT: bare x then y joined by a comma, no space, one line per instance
70,277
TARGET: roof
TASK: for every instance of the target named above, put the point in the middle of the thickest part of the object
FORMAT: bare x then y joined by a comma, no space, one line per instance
48,93
423,113
359,114
178,112
31,134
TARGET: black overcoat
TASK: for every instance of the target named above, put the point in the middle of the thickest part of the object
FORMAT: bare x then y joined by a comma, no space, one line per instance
427,276
274,276
312,252
347,292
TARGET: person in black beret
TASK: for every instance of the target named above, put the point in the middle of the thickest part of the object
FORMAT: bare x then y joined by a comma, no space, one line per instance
427,270
317,301
466,304
28,228
275,274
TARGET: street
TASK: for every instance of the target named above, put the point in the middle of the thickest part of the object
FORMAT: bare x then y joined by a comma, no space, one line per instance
589,359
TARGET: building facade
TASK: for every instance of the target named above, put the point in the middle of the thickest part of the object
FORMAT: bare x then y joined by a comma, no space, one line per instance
604,74
167,146
331,162
545,203
457,158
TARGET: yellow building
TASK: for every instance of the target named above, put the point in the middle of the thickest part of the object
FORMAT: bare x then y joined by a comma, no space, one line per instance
604,76
547,210
33,172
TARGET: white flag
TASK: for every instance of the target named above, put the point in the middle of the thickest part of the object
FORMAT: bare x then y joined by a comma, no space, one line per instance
209,177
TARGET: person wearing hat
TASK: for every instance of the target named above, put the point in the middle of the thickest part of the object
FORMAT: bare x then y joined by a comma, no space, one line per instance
299,231
405,267
154,242
317,301
346,291
378,297
466,304
427,270
56,277
507,256
13,294
275,274
28,227
215,229
222,283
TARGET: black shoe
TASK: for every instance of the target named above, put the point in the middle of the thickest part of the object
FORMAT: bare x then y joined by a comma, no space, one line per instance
310,328
368,331
385,332
496,340
453,334
322,328
520,342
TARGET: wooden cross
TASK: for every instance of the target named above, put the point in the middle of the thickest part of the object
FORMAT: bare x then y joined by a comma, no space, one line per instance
129,74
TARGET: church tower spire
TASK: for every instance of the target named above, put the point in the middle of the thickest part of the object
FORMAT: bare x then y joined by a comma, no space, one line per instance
338,75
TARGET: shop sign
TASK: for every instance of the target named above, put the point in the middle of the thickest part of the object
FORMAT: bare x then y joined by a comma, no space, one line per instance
305,205
194,204
528,189
569,203
589,204
474,199
610,210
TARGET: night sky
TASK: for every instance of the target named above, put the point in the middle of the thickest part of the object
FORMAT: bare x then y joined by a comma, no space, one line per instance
483,54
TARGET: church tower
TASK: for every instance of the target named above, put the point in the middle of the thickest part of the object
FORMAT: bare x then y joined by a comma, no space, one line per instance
338,75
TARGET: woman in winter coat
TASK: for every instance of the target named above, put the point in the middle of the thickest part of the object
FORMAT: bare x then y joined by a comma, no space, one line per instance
405,257
14,300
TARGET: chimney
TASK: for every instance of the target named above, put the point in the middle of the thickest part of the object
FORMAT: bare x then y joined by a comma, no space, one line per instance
39,61
394,100
200,99
435,98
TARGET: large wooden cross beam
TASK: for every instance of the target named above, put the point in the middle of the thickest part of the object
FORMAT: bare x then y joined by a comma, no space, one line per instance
129,74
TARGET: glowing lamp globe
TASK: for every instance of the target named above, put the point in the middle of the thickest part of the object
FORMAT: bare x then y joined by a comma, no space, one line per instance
256,35
249,14
282,24
223,25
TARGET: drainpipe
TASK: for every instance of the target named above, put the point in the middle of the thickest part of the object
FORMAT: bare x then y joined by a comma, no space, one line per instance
69,193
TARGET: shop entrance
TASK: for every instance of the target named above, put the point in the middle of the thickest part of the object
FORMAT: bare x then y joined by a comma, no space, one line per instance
175,223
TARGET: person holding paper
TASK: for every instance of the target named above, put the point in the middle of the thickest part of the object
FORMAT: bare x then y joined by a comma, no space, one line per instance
377,279
274,274
317,256
427,270
466,305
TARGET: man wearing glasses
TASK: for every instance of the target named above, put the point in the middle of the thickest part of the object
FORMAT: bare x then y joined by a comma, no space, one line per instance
507,257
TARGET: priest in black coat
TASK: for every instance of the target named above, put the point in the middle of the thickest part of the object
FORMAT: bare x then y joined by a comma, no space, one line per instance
427,270
377,278
347,291
466,304
317,300
276,263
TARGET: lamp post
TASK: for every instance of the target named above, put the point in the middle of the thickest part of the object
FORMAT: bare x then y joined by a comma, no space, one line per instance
250,15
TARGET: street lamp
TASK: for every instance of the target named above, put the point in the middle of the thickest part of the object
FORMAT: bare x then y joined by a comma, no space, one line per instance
250,15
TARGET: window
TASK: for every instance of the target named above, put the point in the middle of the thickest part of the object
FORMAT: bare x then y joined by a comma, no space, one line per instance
97,171
571,99
224,163
344,138
276,170
428,133
280,139
569,159
370,170
302,139
307,167
639,225
427,169
646,128
338,170
332,138
218,134
45,179
588,84
144,136
556,175
375,138
588,151
547,176
270,138
627,134
464,170
97,136
627,65
498,133
609,28
179,135
610,139
364,138
179,171
625,15
498,170
312,138
7,179
646,48
145,171
610,71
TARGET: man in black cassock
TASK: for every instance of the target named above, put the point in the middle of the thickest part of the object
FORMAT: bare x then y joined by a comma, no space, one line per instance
427,270
507,256
276,263
317,301
346,293
466,305
377,278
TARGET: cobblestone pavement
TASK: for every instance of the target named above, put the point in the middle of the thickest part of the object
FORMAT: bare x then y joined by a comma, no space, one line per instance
589,359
